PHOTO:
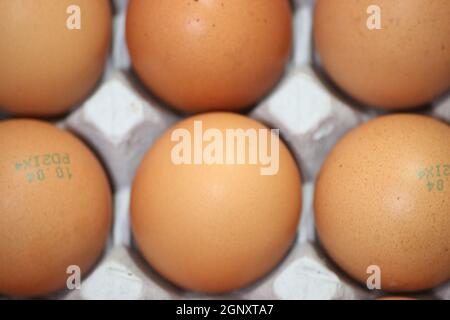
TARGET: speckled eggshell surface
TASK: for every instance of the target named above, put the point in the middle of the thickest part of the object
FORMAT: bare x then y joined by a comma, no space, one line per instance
214,227
55,207
404,64
209,55
45,67
383,199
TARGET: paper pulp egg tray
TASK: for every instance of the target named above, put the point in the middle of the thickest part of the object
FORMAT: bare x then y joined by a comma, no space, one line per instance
120,121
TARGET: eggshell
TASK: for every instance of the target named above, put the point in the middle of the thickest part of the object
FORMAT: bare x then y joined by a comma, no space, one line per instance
404,64
397,298
46,67
383,199
55,207
216,227
209,55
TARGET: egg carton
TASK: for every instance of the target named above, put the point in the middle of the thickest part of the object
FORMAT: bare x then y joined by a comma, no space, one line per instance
120,121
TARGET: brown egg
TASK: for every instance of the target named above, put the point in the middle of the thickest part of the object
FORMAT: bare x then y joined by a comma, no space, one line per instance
209,226
203,55
404,64
55,207
383,199
396,298
46,67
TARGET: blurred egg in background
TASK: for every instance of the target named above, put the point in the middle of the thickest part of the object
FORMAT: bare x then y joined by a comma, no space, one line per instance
387,54
52,53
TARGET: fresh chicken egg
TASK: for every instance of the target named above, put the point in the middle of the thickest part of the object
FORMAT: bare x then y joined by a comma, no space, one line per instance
212,213
382,203
209,55
55,208
387,54
52,53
